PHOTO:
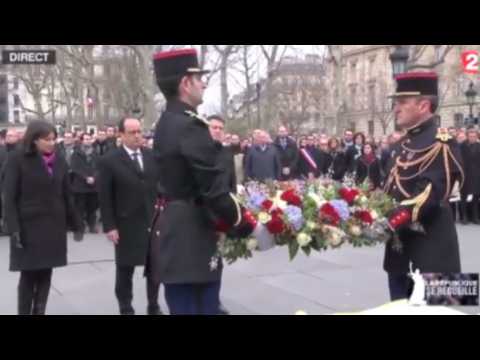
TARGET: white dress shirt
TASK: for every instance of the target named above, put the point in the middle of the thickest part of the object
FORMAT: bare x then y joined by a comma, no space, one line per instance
132,153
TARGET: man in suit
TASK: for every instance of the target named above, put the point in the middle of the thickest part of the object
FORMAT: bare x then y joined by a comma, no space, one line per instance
262,161
470,150
83,165
103,145
127,178
288,152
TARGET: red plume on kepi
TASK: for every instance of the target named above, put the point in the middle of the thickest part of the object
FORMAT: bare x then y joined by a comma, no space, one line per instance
174,64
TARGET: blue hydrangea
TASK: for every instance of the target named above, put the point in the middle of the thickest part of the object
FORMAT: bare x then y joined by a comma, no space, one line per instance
341,206
255,201
295,217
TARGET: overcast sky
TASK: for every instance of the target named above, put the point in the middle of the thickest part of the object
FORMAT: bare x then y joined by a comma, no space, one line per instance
212,95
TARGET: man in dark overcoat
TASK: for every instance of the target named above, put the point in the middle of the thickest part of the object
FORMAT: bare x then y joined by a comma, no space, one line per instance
128,192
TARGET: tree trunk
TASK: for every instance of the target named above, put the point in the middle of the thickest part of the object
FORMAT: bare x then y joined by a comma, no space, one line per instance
224,85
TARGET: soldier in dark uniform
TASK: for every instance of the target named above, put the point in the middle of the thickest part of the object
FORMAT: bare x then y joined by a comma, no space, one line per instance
183,244
424,166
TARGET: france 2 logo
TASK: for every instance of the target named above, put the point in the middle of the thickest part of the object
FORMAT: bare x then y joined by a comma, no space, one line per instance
470,61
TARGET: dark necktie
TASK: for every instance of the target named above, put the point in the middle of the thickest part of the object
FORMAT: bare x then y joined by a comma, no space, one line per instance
136,161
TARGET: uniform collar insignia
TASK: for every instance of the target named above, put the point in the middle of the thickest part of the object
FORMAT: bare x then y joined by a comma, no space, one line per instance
443,135
198,117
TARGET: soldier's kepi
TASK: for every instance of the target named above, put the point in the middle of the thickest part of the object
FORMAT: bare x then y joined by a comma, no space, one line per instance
422,173
195,193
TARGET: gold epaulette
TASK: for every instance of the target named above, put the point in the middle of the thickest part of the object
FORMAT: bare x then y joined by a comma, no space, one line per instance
424,161
418,202
198,117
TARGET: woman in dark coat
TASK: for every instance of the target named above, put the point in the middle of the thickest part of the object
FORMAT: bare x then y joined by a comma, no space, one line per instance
368,167
39,206
354,152
335,160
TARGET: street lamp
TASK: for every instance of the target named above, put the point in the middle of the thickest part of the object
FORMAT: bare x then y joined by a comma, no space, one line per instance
471,94
399,59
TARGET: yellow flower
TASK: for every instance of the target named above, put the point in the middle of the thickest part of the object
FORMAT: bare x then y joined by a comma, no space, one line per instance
303,239
264,218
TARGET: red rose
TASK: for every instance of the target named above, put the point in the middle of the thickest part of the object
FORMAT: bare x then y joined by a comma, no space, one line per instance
267,205
249,218
348,195
364,216
328,213
291,198
276,225
276,212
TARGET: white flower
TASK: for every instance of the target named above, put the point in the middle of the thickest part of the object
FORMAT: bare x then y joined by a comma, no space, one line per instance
317,199
264,218
334,235
278,202
303,239
363,200
311,225
252,244
374,214
355,230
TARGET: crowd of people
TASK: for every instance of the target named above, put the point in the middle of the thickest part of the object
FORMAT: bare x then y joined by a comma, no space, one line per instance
82,150
164,209
259,157
356,155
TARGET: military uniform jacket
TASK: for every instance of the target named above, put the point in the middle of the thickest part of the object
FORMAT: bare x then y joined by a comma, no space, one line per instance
424,165
184,242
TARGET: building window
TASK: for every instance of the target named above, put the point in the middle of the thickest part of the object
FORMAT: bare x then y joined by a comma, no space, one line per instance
353,98
353,74
458,120
371,127
353,126
16,117
370,67
16,100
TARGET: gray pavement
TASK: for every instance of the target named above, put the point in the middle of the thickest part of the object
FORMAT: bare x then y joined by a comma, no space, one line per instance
344,280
